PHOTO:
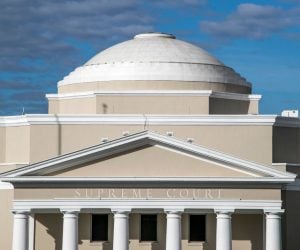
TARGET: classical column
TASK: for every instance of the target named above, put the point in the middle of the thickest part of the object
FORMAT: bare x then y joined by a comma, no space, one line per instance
31,231
20,232
223,236
121,230
273,230
173,238
70,230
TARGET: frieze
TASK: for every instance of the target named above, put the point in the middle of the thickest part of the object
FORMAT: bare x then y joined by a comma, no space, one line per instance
115,193
147,193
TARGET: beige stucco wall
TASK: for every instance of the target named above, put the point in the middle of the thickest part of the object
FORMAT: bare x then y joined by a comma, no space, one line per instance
6,218
247,142
2,143
17,144
44,142
89,135
252,143
78,106
48,231
53,106
254,107
152,85
131,105
126,104
246,233
286,144
40,142
4,167
227,106
152,105
155,161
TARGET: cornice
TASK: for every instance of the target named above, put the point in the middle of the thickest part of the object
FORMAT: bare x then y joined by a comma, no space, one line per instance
163,93
46,206
140,119
160,181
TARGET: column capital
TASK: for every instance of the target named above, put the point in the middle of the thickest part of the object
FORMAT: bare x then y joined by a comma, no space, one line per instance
225,211
21,211
124,211
177,211
274,211
70,210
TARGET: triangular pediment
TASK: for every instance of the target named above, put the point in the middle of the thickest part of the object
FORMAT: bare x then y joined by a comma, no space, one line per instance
147,155
153,161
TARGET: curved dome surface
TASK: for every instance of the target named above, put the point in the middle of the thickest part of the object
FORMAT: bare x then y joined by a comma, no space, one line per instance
154,57
154,48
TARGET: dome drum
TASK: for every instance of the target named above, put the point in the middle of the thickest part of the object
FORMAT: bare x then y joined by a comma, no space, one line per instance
152,85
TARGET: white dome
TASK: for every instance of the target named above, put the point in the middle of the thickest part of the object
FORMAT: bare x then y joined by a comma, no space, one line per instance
154,57
153,48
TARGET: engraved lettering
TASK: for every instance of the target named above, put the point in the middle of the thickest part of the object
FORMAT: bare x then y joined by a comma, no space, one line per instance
137,194
184,193
196,194
149,193
123,193
219,193
111,193
77,193
170,193
208,194
100,193
87,193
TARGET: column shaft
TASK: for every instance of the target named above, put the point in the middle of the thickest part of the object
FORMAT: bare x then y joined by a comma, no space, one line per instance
121,231
70,230
273,231
223,237
173,238
20,232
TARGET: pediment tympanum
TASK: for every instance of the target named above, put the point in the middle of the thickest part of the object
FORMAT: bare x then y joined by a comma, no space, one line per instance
153,161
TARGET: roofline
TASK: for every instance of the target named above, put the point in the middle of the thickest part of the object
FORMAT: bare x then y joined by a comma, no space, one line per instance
189,93
135,140
152,119
148,180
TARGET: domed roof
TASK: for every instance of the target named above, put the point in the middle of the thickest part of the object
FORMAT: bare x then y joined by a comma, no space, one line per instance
154,47
154,57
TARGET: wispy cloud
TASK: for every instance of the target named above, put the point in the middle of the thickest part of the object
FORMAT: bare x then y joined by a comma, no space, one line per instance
253,21
40,38
180,3
18,94
39,29
42,28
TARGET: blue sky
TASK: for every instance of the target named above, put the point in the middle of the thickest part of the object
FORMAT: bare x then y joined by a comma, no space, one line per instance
42,41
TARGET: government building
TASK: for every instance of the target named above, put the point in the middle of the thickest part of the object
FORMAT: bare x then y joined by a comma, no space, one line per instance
153,144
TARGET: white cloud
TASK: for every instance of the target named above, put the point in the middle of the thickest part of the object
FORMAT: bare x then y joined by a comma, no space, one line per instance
252,21
41,28
40,39
38,29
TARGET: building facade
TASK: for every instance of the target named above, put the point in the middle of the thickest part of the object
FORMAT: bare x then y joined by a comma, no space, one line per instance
152,144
